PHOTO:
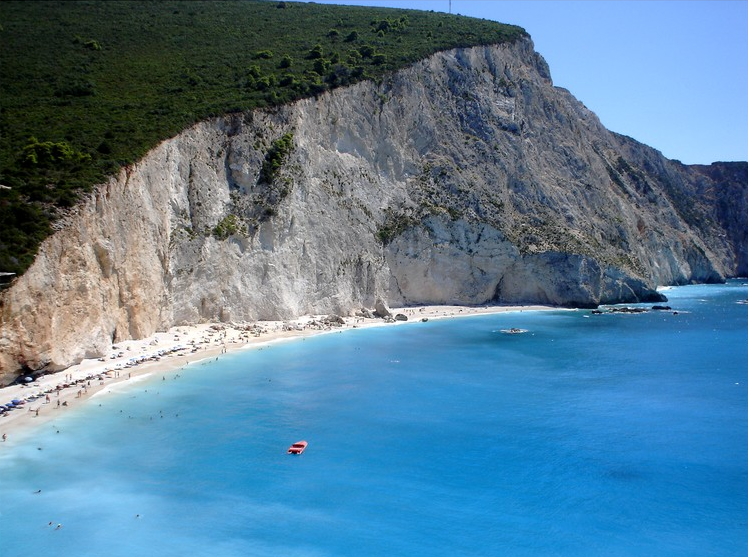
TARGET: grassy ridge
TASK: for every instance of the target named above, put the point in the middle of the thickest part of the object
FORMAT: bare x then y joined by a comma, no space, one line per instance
89,86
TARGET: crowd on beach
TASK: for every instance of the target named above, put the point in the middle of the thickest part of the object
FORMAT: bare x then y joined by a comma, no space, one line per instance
33,393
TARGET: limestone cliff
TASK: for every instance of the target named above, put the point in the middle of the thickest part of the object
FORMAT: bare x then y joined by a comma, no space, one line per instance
467,178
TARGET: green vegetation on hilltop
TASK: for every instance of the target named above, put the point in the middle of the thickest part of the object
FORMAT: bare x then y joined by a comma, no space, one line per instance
87,87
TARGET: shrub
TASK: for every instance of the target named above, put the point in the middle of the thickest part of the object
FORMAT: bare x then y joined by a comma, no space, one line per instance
394,225
230,225
76,89
49,154
315,52
275,158
265,83
321,66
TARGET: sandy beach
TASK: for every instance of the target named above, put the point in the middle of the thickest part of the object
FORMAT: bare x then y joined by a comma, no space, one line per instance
49,396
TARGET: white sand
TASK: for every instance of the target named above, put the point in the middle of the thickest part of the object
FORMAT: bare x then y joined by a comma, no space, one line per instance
50,395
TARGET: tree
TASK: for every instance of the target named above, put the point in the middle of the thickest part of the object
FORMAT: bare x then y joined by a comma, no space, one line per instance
315,52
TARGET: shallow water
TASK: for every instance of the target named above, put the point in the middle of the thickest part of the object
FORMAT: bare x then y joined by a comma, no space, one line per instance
590,435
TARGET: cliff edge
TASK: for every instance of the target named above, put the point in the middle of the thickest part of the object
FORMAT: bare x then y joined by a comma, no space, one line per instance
467,178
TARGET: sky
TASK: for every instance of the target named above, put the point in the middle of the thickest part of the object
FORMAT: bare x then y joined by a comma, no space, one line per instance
672,74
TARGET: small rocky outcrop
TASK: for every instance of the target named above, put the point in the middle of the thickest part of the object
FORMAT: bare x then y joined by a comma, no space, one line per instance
381,309
334,321
365,313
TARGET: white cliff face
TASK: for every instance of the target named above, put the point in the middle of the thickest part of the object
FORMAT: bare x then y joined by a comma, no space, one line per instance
467,178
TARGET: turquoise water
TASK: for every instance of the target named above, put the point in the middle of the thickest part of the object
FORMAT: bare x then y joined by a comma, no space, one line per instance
616,435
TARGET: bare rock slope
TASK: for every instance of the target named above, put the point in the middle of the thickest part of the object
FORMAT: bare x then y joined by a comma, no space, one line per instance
467,178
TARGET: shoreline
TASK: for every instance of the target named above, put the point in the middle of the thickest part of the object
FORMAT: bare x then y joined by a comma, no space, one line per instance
51,396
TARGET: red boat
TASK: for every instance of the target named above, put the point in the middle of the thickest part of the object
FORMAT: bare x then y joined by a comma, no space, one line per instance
298,447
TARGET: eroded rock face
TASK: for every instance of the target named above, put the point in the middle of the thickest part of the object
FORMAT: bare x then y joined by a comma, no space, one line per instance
467,178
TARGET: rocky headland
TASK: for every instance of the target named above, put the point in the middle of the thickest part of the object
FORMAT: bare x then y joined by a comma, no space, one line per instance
466,179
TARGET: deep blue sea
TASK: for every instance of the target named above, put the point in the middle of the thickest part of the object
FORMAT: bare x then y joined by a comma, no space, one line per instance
589,435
